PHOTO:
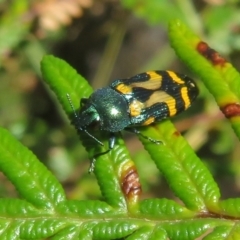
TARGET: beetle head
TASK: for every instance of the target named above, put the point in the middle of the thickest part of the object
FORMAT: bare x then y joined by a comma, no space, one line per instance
87,115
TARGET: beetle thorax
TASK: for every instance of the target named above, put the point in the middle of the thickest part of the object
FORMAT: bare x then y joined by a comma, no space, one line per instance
112,108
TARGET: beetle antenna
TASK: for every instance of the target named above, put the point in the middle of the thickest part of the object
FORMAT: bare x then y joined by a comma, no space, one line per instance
77,121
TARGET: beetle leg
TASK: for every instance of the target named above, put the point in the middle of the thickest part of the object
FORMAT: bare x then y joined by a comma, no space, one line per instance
112,141
136,131
92,165
94,159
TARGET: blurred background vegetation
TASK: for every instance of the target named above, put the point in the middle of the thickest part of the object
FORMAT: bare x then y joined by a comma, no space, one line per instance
105,40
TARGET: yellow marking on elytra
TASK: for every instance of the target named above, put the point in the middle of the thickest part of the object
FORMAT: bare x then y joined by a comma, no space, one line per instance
185,97
153,83
147,85
154,76
171,107
125,89
161,96
148,121
175,78
155,97
136,108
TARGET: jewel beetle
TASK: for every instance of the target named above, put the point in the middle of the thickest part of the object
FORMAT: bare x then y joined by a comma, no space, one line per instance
141,100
